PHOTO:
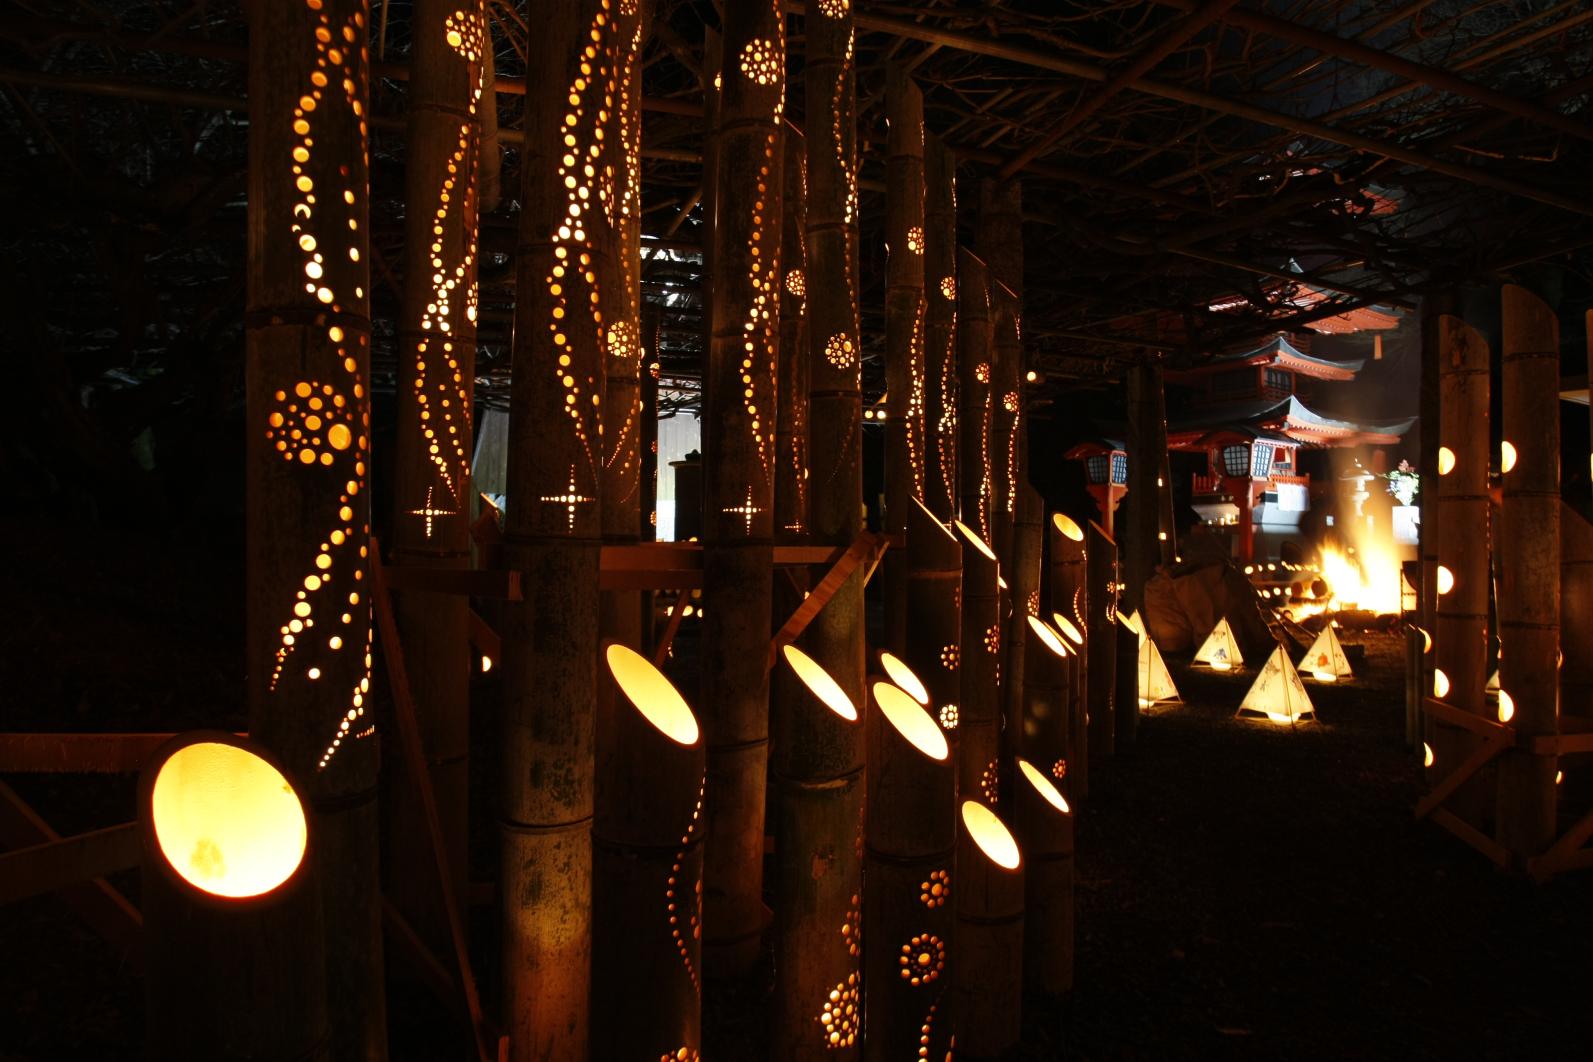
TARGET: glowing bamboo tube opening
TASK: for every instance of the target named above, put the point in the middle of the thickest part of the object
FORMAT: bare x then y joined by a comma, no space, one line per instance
1043,786
911,721
1446,580
1440,683
1446,460
991,835
1507,707
1427,640
227,821
1507,456
652,694
903,676
820,684
1065,524
1066,626
1048,636
973,539
1001,581
1427,755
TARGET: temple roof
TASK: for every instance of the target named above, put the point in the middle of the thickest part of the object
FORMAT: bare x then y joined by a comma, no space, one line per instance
1282,419
1277,351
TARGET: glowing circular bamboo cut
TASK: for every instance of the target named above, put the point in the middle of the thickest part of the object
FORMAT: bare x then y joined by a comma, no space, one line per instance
974,539
911,721
1446,460
1440,684
1427,755
653,695
991,835
1067,526
1068,628
820,684
227,822
1048,636
903,676
1446,580
1507,456
1507,707
1042,785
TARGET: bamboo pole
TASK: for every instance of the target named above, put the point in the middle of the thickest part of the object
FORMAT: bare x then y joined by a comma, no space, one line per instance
1100,638
553,535
817,776
934,609
1529,568
795,372
1460,636
941,433
233,949
1000,244
975,478
739,419
432,491
907,871
1576,639
1166,525
1433,308
1044,823
1140,552
987,978
979,715
649,434
1046,724
1024,579
1070,602
308,512
647,857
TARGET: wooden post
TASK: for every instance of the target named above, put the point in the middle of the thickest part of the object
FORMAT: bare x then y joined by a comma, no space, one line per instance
934,609
1167,527
553,534
987,978
816,1010
795,371
1529,569
647,857
1460,637
308,455
940,330
1100,637
1070,601
907,874
651,316
975,478
979,715
739,418
432,490
232,918
1141,551
904,332
1576,639
1432,307
1045,725
1045,829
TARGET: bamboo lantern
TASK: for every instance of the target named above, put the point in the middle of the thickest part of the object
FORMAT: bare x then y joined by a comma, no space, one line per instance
795,372
1000,243
940,330
934,610
553,533
1045,829
987,978
1045,726
432,488
232,916
1070,604
1140,549
647,858
1100,640
739,419
905,457
907,874
1460,635
308,611
619,299
1027,538
979,718
976,482
1529,569
817,781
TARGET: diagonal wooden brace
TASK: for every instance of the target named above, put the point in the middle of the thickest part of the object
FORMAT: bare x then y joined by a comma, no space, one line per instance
866,550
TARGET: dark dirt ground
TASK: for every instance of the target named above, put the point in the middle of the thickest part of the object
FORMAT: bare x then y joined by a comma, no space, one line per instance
1245,891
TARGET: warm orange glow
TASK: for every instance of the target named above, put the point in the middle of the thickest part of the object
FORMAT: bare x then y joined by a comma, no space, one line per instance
974,540
991,835
1507,707
1427,640
1446,580
486,664
1065,524
903,676
1366,578
911,721
1043,786
1049,637
1427,755
820,684
1066,626
652,694
1507,456
1440,684
226,820
1446,460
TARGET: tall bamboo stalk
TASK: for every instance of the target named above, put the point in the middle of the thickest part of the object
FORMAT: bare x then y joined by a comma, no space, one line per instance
975,476
432,489
934,609
1044,825
1000,244
979,708
1576,639
1140,551
554,532
795,370
904,332
907,872
739,418
987,978
1529,568
1070,599
1100,638
1460,635
649,433
1046,723
308,615
647,854
941,433
1024,579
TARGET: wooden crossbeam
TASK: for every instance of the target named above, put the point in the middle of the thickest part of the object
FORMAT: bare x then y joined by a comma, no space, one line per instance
676,614
1497,853
1490,748
500,583
486,639
96,753
868,548
50,866
1477,724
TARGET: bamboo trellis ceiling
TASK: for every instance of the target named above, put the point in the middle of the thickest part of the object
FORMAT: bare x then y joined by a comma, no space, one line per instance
1177,156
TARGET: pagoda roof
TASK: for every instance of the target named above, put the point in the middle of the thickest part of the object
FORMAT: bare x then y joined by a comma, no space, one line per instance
1280,419
1277,351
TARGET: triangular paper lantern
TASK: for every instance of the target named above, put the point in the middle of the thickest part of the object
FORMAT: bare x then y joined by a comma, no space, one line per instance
1277,693
1219,650
1133,623
1155,683
1325,660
